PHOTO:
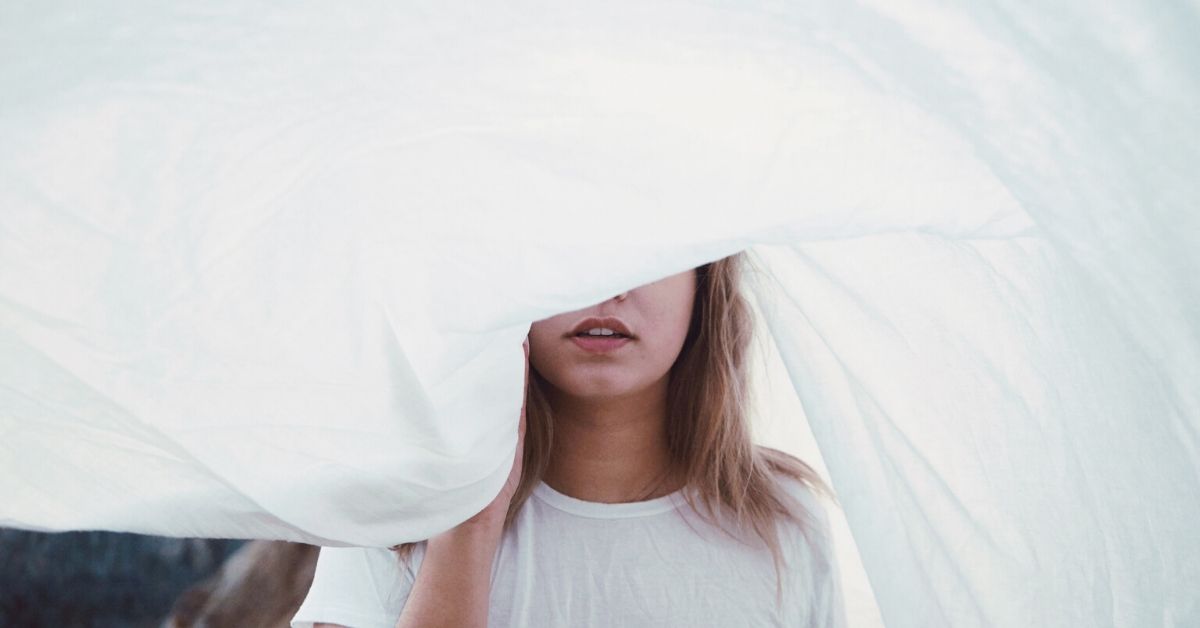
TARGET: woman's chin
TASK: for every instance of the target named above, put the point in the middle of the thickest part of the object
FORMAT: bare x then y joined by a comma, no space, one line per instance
605,392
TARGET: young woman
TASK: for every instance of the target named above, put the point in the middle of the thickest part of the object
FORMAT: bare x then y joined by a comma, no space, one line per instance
638,499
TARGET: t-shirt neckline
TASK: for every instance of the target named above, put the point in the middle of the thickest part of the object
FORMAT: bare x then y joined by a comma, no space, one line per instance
600,510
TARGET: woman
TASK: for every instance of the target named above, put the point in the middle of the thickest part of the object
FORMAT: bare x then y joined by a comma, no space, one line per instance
639,498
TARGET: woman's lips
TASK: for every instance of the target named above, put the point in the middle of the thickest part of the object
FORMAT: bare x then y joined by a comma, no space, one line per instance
599,344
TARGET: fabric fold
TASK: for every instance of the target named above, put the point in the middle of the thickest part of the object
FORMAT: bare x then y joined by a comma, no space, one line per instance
265,272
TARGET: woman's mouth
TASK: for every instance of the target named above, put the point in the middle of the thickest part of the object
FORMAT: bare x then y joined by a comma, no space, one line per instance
600,344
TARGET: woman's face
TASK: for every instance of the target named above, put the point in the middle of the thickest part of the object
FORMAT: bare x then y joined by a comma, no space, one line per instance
656,317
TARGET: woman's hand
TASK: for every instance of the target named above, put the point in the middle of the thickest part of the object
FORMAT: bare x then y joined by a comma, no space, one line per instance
454,581
496,511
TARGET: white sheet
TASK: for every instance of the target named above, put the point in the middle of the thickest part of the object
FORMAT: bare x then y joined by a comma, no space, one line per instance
264,272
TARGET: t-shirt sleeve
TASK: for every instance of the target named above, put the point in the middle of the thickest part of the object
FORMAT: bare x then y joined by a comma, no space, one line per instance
358,587
828,605
823,587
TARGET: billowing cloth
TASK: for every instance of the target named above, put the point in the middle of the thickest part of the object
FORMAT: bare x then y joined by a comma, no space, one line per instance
265,270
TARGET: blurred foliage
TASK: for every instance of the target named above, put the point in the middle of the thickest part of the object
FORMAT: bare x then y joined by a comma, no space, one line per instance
99,579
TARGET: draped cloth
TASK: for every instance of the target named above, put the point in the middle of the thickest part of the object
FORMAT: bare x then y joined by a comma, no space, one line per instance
265,271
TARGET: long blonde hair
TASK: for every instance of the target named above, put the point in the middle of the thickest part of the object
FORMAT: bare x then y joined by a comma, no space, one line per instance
708,426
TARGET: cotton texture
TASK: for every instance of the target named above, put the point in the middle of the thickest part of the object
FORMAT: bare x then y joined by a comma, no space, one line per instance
265,270
568,562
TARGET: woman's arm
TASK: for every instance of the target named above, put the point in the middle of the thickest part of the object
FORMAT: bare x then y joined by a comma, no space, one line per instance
454,580
455,576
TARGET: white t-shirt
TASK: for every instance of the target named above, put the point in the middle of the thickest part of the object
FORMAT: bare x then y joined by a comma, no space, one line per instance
568,562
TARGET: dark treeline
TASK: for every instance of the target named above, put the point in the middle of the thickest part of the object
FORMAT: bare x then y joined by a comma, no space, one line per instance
99,579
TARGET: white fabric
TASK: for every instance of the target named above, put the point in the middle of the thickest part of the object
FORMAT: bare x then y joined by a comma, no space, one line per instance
568,562
265,271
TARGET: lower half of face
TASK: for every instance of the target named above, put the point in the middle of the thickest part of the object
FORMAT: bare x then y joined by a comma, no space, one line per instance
657,316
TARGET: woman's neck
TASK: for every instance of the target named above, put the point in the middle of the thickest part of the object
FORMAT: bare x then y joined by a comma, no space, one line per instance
611,450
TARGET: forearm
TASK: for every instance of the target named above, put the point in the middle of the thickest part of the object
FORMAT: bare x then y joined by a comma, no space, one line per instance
454,579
